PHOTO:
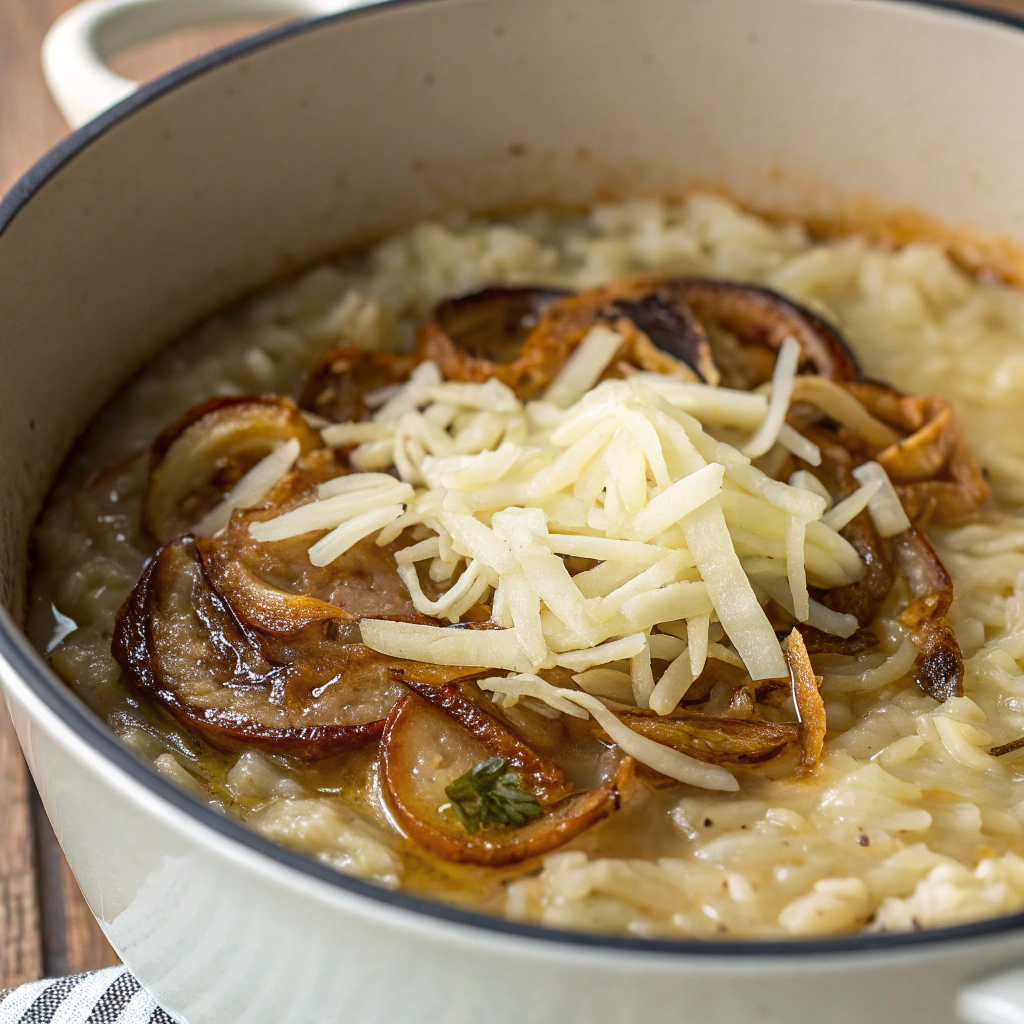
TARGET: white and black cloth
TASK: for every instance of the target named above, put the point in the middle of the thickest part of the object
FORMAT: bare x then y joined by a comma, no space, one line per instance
111,996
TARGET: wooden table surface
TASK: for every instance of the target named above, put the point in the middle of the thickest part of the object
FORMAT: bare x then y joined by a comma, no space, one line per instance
45,926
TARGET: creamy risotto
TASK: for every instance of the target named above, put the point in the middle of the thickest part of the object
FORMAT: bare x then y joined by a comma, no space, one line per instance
580,569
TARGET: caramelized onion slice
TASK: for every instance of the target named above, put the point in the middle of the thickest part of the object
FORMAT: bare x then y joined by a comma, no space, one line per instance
273,583
715,740
815,396
254,601
934,470
1007,748
716,673
541,777
491,324
660,333
809,705
863,598
818,642
340,379
939,669
722,332
273,586
481,335
198,459
424,749
760,320
177,641
672,328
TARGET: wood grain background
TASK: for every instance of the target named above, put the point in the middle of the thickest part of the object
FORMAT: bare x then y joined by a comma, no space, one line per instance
45,926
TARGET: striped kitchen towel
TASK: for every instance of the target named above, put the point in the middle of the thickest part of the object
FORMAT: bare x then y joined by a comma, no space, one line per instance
111,996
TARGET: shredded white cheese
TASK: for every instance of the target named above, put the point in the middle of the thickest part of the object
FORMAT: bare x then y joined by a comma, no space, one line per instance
673,763
675,502
841,406
627,476
731,594
690,539
445,645
353,530
818,616
809,482
793,441
673,684
251,489
778,404
641,676
796,572
698,629
584,367
606,682
850,507
884,504
329,513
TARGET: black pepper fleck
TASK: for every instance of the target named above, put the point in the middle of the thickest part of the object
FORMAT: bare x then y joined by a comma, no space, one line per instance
708,823
863,841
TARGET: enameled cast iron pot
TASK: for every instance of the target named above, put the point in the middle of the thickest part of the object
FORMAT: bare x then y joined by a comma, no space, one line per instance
271,154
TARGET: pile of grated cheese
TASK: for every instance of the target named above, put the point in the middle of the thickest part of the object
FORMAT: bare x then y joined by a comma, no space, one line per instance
651,477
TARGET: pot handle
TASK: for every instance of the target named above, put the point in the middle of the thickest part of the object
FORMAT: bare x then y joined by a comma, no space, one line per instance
995,1000
80,42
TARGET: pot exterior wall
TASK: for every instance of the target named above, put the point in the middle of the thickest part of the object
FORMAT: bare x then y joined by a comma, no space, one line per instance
217,934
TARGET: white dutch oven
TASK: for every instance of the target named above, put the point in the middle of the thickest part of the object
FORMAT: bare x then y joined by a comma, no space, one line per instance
273,153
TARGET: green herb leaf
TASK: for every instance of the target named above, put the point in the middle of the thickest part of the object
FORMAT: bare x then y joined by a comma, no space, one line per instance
490,793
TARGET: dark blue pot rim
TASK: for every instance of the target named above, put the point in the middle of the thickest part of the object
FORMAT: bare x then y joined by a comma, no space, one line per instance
16,650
